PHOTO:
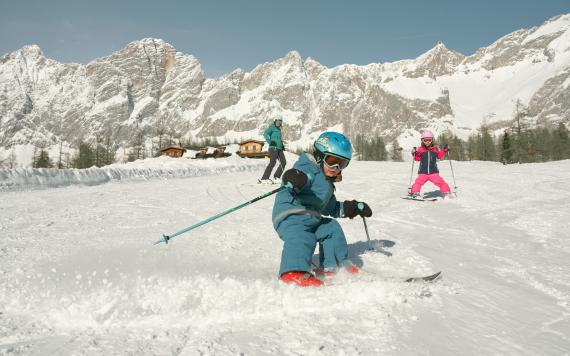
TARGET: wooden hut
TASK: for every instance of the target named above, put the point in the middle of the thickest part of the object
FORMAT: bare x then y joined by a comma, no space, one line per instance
252,149
220,152
202,153
173,151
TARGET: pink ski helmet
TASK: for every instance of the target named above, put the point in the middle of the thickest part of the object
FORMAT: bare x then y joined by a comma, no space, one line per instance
427,134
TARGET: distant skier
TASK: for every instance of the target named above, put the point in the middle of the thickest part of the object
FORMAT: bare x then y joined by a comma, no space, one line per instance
274,139
298,212
427,155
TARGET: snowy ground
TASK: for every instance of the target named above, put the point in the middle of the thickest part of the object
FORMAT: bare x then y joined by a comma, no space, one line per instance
80,274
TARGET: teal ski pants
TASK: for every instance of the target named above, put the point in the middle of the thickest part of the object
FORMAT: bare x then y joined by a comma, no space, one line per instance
301,233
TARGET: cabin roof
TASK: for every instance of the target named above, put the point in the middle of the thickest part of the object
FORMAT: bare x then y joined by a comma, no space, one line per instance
173,148
254,141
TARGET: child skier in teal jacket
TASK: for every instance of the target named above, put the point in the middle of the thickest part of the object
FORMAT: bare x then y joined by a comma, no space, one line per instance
299,212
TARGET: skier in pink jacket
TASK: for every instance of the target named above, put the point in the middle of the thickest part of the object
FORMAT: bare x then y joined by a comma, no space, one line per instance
427,155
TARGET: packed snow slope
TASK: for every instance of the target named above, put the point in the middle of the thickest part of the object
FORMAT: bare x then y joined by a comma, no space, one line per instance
80,274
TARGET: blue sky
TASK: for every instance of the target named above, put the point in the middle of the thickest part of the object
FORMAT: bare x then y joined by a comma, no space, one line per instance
225,35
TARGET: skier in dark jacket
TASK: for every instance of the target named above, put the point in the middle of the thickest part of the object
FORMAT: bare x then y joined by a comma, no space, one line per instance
275,141
299,212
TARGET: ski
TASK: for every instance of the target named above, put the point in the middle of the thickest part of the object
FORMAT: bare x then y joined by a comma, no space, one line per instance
420,199
429,278
327,278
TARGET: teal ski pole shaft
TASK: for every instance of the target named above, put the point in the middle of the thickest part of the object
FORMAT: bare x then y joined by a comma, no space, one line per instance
166,238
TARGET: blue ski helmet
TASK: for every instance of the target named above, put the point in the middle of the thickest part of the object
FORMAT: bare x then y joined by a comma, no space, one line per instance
278,118
334,144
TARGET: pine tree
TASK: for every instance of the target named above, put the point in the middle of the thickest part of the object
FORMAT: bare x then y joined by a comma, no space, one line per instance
42,160
520,113
458,149
103,152
486,145
560,146
137,150
370,150
59,160
357,146
85,156
541,141
506,149
10,161
472,143
396,155
455,144
379,149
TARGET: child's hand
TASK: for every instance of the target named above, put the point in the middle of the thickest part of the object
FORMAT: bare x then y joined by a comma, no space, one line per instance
352,208
294,179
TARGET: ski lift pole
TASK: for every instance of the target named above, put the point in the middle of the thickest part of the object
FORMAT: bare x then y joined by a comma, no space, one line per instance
166,238
361,207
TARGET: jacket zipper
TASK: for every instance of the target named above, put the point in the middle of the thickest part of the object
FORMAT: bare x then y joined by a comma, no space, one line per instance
429,155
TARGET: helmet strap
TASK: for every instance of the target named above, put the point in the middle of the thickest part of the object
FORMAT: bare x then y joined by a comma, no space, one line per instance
319,156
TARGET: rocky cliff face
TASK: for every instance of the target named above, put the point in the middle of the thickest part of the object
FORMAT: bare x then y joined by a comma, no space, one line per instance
150,88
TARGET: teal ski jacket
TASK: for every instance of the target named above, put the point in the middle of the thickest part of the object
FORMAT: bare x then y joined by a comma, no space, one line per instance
315,198
273,134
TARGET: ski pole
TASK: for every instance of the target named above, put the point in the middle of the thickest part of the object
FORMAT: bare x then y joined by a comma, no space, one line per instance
361,207
452,174
166,238
412,172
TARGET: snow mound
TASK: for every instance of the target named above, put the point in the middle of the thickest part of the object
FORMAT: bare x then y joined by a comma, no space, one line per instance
152,168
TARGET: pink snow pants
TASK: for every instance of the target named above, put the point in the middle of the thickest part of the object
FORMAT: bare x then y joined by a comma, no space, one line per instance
435,178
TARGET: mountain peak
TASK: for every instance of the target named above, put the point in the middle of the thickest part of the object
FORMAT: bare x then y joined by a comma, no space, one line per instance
32,50
437,61
293,54
438,49
149,41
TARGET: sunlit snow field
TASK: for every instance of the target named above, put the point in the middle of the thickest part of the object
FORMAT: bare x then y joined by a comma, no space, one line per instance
80,274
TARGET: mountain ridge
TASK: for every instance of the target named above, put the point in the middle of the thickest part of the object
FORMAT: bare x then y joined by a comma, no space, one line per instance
148,88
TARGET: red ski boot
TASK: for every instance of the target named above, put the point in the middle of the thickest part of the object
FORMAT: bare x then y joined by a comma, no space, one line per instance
352,269
303,279
323,272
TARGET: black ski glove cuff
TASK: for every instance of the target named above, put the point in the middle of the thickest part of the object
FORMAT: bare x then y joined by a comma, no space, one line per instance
352,208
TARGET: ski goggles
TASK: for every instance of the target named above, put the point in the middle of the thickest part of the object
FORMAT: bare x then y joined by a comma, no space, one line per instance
336,162
427,139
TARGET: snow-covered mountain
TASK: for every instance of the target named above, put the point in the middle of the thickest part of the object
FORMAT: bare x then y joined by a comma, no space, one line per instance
149,87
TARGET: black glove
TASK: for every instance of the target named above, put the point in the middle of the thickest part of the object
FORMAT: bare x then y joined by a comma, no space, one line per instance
446,148
294,179
414,151
273,143
352,208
